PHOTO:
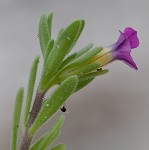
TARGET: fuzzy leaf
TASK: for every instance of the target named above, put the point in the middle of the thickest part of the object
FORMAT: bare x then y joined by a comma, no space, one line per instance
94,74
85,69
59,147
48,49
53,103
67,60
62,46
50,17
49,137
83,82
76,55
86,57
44,35
61,30
16,118
30,90
87,78
84,50
82,59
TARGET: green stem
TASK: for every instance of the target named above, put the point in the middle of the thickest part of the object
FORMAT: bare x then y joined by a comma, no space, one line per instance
16,119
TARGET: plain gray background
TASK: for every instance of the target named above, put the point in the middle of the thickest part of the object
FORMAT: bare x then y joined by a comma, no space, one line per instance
112,113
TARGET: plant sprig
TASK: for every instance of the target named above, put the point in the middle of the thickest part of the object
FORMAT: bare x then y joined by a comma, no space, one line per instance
70,74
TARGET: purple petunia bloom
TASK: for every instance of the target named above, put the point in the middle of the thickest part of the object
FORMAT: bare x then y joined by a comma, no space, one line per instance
121,49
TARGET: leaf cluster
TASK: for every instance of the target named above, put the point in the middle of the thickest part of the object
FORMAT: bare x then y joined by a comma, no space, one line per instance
70,72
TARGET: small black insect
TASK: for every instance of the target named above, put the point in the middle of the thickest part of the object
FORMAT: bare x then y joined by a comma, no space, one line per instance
99,69
63,109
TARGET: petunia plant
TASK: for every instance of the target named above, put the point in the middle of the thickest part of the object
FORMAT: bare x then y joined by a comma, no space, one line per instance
69,73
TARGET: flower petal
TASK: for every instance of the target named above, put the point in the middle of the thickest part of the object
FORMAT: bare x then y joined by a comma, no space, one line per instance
126,58
131,34
123,53
124,46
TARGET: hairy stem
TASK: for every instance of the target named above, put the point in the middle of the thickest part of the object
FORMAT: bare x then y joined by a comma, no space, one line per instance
26,140
36,108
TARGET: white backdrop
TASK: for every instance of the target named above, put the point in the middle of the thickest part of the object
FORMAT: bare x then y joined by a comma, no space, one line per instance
112,113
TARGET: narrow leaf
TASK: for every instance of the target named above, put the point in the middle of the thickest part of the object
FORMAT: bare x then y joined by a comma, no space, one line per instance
16,118
75,55
48,50
67,60
53,103
48,138
94,74
79,71
62,46
59,147
87,78
86,57
84,50
61,30
37,143
85,69
82,59
30,90
82,24
83,82
50,17
44,36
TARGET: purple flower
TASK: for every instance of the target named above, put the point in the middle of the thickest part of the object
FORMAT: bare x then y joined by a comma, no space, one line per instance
121,50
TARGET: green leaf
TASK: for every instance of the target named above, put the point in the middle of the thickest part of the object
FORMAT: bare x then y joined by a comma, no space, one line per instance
85,69
84,50
61,30
62,46
86,58
50,17
44,35
67,60
79,71
94,74
30,90
80,31
53,103
87,78
16,118
75,55
59,147
48,138
48,50
83,82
